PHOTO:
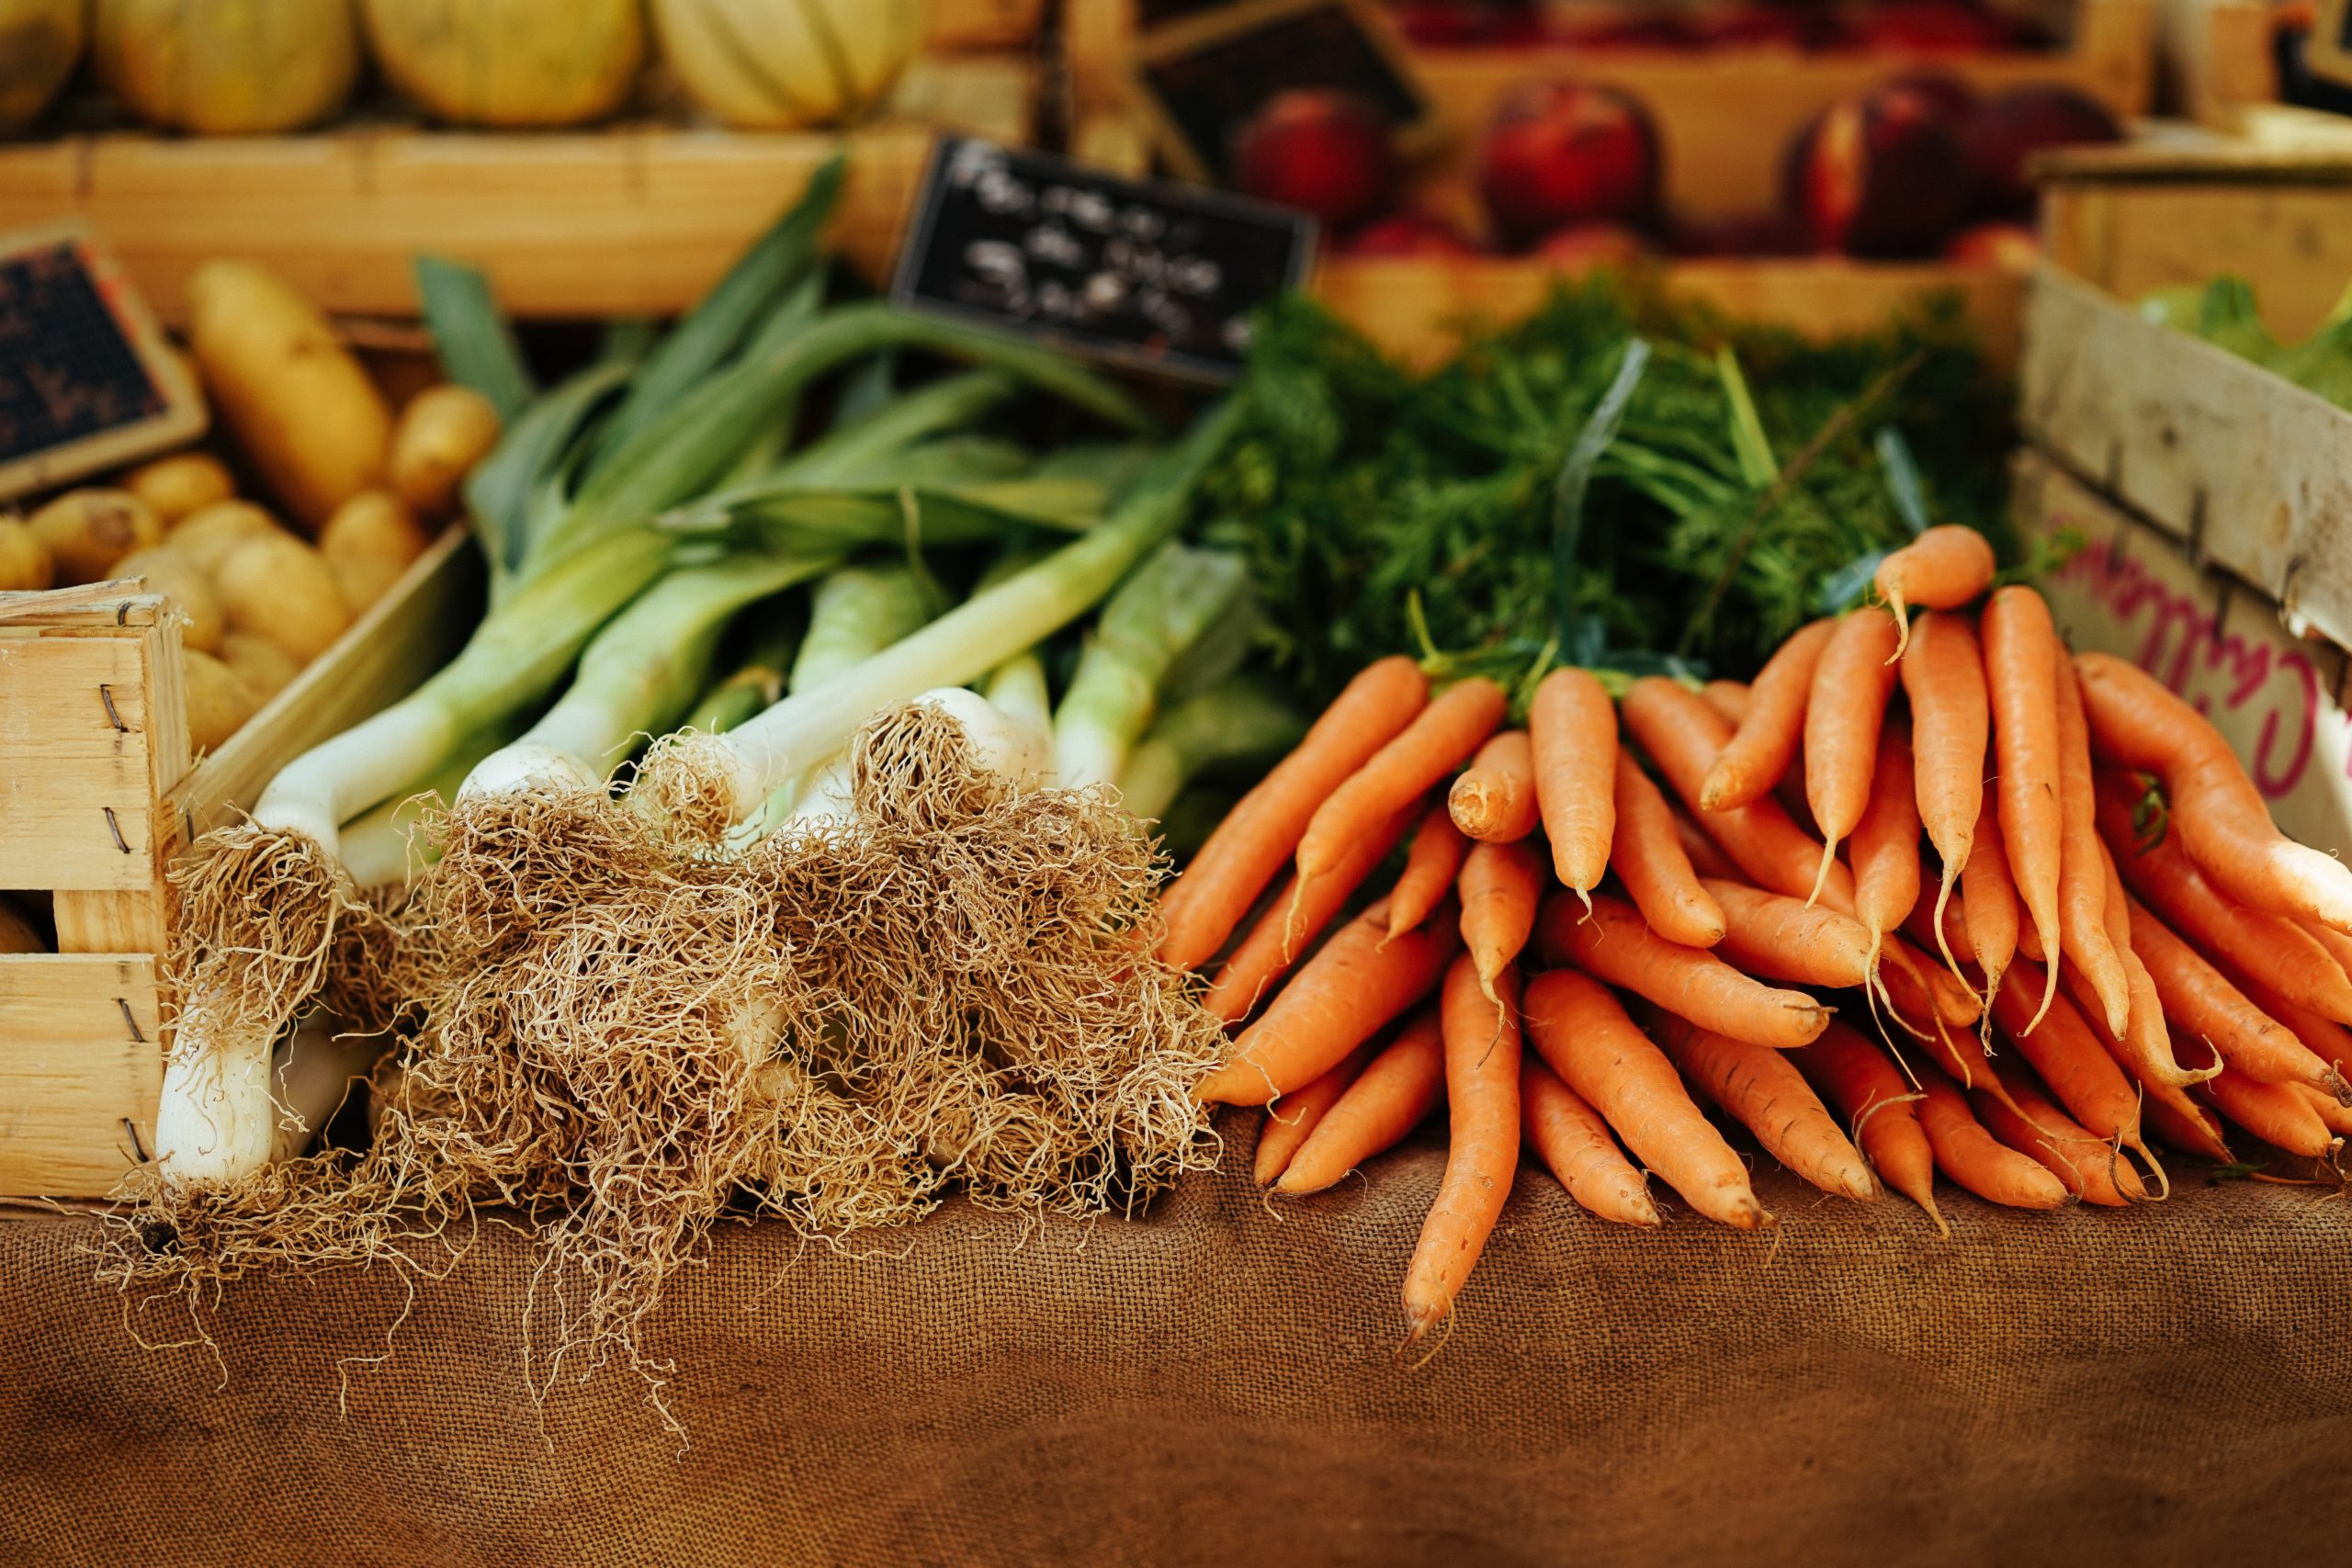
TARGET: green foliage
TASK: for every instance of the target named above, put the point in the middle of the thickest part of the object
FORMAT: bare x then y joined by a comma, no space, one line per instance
1364,495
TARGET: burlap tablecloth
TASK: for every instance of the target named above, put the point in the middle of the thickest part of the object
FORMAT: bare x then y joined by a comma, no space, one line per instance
2172,1384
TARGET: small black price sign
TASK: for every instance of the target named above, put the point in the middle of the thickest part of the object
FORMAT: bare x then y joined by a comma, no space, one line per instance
87,381
1144,273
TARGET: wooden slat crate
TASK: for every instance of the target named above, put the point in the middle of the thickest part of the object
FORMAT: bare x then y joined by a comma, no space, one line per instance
2249,471
98,792
977,24
2214,58
632,219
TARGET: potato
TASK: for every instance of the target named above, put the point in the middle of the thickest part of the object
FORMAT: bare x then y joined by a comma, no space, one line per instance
181,483
265,668
187,584
217,703
276,586
300,405
25,566
207,536
441,436
88,530
368,542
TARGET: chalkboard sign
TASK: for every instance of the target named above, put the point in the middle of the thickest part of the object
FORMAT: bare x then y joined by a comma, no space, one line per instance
1202,77
85,379
1148,274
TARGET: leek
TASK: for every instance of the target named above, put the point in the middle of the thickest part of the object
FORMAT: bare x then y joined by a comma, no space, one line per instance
755,684
1160,612
1237,722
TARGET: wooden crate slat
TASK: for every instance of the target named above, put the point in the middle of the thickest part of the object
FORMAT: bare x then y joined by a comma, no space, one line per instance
960,24
77,781
2252,472
73,1070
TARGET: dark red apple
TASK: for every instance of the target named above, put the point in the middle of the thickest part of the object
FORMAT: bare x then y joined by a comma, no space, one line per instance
1580,247
1940,27
1566,152
1956,98
2012,247
1324,151
1441,24
2012,128
1410,234
1882,174
1750,26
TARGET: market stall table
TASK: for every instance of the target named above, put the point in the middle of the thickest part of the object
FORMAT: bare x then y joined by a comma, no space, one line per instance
2168,1383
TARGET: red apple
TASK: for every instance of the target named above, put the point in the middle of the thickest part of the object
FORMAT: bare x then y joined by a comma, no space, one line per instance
1324,151
1441,24
1580,247
2012,247
1932,27
1750,26
1410,234
2013,127
1955,97
1566,152
1882,174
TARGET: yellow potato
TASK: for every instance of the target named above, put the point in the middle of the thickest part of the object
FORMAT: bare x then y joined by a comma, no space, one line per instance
88,530
265,668
442,434
217,703
303,409
276,586
17,933
187,584
25,566
368,542
181,483
207,536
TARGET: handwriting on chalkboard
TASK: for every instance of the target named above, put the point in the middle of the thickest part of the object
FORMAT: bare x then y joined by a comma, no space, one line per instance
1141,272
67,371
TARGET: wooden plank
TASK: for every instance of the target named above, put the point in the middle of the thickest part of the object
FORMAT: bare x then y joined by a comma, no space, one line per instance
77,785
2134,591
404,636
1413,306
2216,56
961,25
634,220
75,1068
113,922
2254,472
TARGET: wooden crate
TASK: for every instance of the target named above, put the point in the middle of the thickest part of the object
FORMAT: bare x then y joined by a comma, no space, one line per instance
2142,593
959,26
2249,471
98,792
1723,116
2137,217
633,220
2214,58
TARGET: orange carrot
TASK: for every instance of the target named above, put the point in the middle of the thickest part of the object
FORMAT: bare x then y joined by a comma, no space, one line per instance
1389,1099
1494,800
1992,900
2163,1078
2146,1040
1729,699
1843,715
2324,1038
1612,944
2020,672
1438,741
1912,988
1431,866
2337,1117
2200,999
1870,1092
2188,1127
1682,735
1885,847
1648,857
1950,937
1977,1160
2029,1123
1763,1091
1753,759
2246,943
2274,1113
1943,568
2216,809
1947,995
1614,1068
2338,945
1572,1139
1706,856
1574,728
2069,1056
1258,835
2083,923
1289,1122
1943,675
1501,884
1343,995
1775,937
1482,1093
1291,922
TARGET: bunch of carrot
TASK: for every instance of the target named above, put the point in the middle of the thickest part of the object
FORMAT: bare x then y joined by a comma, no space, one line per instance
1691,938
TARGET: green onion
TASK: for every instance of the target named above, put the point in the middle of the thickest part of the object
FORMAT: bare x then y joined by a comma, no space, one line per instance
1162,609
758,682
